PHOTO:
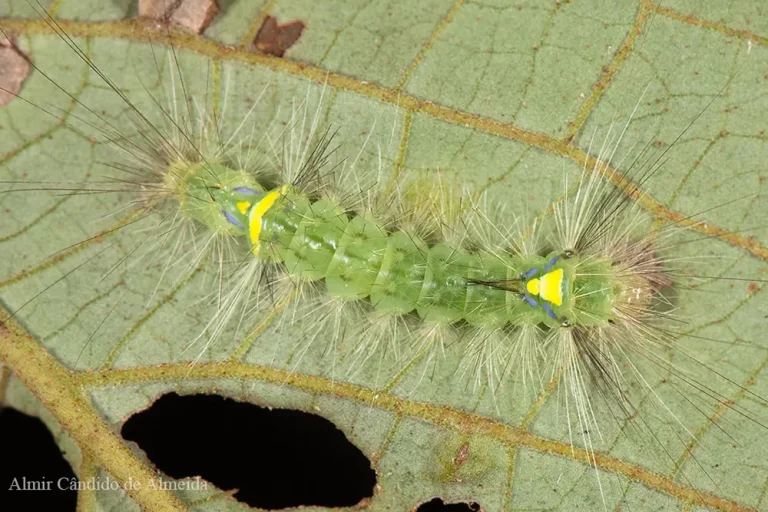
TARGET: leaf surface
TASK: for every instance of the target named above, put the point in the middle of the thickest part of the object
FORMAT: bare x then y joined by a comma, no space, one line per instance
512,97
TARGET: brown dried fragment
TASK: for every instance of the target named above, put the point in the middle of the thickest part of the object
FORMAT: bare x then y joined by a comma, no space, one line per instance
157,9
275,39
14,69
462,456
194,15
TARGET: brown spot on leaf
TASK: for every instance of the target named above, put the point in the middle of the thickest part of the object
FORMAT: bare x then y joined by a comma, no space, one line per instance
275,39
156,9
14,69
194,15
463,455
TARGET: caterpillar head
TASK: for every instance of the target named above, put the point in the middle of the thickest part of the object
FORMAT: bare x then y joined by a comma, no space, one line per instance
213,194
568,289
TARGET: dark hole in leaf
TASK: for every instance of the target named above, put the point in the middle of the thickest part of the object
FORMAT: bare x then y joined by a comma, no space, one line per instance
32,468
438,505
277,458
275,39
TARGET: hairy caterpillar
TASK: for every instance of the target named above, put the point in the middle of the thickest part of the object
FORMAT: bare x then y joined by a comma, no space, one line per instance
490,322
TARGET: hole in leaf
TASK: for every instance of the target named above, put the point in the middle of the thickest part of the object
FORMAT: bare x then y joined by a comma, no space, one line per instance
276,458
438,505
33,470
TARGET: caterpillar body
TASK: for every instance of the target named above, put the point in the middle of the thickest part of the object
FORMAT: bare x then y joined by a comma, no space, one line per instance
392,272
398,272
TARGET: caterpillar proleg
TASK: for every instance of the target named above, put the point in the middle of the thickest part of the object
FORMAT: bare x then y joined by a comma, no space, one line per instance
561,307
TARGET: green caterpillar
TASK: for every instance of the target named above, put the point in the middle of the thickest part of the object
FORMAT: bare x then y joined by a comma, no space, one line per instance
396,270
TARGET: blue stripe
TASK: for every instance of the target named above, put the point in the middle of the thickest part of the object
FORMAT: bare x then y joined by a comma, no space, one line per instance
247,191
551,263
232,219
530,300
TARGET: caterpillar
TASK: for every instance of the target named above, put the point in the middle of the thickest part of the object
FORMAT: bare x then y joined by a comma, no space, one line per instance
400,279
396,272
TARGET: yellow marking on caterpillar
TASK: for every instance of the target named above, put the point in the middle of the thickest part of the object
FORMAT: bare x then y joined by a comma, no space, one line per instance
257,214
552,287
549,287
243,206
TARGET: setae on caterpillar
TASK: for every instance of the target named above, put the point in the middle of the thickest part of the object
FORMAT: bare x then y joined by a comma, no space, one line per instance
515,311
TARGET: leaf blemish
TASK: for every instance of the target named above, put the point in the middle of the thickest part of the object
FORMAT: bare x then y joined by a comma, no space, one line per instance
274,39
194,15
14,69
463,455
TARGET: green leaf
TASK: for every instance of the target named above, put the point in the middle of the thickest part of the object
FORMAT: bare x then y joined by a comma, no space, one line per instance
511,97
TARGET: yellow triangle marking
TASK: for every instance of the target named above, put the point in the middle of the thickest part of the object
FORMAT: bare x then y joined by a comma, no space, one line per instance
552,287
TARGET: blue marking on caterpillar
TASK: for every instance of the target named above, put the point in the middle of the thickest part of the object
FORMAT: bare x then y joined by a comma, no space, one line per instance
549,265
232,219
247,191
